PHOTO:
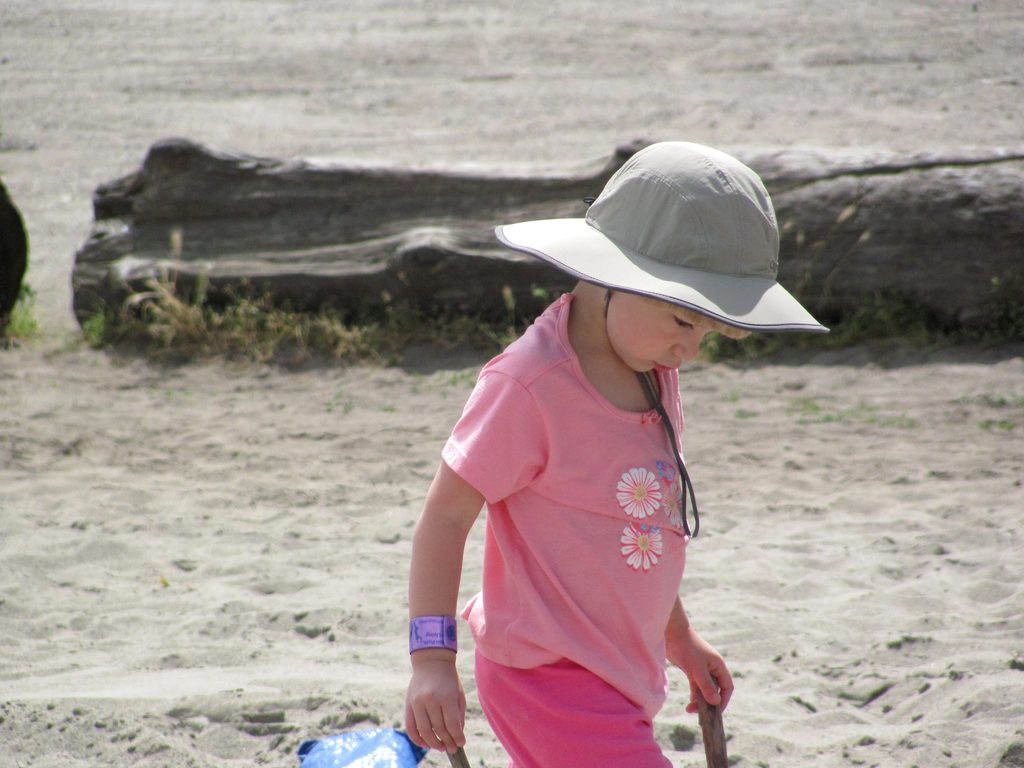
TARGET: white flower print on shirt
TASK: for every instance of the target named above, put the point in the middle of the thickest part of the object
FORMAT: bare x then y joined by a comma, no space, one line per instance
642,545
672,497
638,493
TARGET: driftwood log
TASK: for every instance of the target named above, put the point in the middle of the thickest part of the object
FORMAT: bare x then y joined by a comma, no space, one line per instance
944,232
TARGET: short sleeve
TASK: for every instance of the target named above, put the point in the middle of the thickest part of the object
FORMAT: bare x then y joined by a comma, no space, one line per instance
499,444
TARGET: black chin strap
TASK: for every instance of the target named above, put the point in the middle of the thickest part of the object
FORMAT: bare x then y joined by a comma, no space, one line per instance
652,396
651,390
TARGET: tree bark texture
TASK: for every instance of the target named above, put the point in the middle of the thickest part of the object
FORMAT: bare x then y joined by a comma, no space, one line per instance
944,232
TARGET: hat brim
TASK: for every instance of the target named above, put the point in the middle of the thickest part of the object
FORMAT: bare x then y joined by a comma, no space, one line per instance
573,246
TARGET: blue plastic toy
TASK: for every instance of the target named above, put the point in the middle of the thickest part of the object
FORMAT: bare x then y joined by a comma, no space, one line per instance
370,748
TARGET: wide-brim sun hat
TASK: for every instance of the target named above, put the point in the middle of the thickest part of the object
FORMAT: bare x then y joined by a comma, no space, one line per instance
683,223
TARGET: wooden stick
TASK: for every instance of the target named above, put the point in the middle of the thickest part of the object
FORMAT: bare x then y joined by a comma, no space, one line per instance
713,733
458,759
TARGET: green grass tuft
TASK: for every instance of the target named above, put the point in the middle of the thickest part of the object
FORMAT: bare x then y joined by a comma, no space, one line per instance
171,328
22,323
885,317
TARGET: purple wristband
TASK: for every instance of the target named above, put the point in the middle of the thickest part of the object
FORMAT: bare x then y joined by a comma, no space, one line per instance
433,632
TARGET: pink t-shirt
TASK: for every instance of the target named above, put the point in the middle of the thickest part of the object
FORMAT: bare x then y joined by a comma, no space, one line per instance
584,548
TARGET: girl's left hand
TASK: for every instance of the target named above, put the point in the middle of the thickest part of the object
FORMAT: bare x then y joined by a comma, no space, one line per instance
704,666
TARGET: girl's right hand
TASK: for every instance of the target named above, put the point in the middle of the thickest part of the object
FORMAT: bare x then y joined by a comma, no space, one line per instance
435,704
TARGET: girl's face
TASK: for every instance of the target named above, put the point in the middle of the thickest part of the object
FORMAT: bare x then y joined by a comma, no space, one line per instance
646,333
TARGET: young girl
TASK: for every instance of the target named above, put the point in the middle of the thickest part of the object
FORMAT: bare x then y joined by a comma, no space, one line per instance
571,439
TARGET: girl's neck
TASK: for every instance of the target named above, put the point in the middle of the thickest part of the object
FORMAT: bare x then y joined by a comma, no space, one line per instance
602,366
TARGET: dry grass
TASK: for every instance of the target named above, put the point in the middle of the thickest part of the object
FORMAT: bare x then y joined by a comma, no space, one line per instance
164,325
170,328
22,324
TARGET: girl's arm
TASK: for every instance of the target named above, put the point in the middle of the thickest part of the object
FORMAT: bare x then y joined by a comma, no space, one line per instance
703,665
435,705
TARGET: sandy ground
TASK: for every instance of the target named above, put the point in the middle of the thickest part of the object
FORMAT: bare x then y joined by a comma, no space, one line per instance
205,565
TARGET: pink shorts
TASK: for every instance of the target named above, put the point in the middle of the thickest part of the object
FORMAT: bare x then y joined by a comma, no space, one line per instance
564,716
